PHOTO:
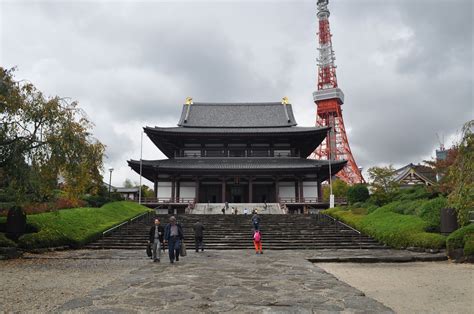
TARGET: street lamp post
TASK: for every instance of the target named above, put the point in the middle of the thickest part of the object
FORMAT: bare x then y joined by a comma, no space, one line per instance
331,196
110,180
141,168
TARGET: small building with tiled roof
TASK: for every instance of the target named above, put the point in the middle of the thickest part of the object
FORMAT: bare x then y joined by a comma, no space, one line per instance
412,175
237,153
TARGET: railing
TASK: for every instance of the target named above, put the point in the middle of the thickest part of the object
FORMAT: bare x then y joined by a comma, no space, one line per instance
337,222
176,200
311,200
126,223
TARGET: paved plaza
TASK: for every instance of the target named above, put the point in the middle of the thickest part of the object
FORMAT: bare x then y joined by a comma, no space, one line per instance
121,281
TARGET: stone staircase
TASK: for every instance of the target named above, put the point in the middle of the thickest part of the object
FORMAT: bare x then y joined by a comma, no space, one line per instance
279,232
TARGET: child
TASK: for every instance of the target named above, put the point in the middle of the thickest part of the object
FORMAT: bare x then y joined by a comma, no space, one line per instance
257,242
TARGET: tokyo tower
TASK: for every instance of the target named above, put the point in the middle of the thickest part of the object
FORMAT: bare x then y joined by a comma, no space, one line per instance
329,98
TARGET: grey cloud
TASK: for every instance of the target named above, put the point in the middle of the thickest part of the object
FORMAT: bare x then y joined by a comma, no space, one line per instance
405,66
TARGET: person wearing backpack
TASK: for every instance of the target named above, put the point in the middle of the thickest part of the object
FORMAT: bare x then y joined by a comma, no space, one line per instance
257,242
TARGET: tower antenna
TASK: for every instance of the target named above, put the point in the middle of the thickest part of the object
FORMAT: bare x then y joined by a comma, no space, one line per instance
329,98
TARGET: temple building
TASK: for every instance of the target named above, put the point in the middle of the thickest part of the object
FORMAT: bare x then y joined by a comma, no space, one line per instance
412,175
237,153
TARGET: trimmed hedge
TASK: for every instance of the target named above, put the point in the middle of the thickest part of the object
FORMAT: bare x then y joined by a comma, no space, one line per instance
77,226
391,228
463,238
414,193
6,242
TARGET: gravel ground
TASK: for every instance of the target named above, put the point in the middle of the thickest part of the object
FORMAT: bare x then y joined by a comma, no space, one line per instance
433,287
48,280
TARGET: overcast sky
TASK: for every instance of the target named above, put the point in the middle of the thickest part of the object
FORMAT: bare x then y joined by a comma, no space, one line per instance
406,66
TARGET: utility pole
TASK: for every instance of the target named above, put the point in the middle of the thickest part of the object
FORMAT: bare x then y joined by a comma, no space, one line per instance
110,180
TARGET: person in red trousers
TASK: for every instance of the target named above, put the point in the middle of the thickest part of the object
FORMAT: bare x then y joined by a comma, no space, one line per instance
257,242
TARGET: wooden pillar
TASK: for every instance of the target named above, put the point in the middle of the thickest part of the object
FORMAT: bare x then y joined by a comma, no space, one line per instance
196,196
300,185
320,190
173,190
250,190
155,187
297,191
277,189
223,190
178,184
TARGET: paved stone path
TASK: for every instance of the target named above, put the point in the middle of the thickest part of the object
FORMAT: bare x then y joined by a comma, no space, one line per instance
214,281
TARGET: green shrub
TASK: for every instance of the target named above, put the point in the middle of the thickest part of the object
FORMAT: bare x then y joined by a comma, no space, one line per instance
414,193
77,226
371,208
6,242
96,200
430,212
460,238
396,230
359,211
469,245
345,215
414,207
357,193
399,230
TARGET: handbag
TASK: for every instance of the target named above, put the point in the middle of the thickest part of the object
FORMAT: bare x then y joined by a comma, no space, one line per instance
148,249
182,249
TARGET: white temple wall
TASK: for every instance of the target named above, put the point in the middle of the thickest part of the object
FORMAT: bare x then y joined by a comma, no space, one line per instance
310,189
187,189
164,189
287,189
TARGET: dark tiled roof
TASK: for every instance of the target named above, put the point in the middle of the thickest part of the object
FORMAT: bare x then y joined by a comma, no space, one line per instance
236,163
427,172
236,166
197,130
241,115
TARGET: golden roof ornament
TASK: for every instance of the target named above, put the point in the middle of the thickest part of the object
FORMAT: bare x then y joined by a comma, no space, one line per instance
285,100
189,100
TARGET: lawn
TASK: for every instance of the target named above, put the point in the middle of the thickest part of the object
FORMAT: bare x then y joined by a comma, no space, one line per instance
389,227
77,226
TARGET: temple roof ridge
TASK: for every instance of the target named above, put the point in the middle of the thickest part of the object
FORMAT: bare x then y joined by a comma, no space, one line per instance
237,114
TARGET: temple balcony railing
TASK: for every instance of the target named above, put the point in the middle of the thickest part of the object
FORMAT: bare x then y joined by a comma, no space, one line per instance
311,200
167,200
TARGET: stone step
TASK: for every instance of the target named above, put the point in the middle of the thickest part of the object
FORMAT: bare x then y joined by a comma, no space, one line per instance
250,247
235,232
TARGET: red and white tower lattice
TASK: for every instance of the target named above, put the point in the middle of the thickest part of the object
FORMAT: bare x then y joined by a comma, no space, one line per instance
329,98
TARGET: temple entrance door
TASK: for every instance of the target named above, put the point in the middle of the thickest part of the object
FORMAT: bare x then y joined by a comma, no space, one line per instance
236,194
264,193
211,193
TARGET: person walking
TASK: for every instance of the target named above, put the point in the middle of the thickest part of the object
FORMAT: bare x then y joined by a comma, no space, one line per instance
173,236
256,221
156,237
257,242
198,235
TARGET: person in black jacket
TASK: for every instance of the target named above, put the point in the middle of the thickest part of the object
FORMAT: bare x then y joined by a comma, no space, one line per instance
198,235
156,237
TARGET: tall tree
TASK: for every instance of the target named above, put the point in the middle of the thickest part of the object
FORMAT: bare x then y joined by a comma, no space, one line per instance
128,184
382,183
42,139
461,175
